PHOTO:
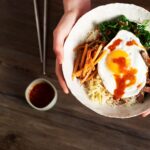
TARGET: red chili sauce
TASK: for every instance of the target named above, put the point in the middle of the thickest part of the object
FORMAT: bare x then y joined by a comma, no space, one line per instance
121,62
125,80
41,95
132,42
115,44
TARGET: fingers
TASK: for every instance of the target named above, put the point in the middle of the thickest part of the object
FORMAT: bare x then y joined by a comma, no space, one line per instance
61,32
60,77
146,113
58,43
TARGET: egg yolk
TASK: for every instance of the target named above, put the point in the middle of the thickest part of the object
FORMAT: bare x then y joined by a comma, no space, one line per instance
117,61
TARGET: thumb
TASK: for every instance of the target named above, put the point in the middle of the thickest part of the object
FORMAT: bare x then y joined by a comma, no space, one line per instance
61,32
58,47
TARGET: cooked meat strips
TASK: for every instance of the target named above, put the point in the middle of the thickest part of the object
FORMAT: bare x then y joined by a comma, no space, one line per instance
146,89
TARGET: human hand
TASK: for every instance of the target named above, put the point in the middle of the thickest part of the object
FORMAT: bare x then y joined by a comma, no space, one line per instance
146,113
73,10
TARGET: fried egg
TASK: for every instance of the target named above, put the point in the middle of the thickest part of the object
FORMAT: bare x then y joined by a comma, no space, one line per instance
122,68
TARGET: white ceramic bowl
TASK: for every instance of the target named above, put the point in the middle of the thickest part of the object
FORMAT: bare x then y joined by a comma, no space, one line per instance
78,34
30,87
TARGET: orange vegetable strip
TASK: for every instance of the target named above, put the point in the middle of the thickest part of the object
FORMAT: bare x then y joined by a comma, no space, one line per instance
85,78
95,42
79,47
100,57
97,52
76,64
78,73
93,74
87,62
83,56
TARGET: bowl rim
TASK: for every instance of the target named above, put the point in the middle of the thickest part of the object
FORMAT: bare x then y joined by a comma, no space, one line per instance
63,65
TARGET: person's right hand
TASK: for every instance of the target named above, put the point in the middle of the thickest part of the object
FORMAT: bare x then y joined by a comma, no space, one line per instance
73,10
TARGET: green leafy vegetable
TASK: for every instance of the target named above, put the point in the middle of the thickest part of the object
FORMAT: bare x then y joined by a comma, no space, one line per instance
110,28
146,24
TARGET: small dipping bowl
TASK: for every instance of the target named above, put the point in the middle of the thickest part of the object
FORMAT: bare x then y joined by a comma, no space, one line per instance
41,94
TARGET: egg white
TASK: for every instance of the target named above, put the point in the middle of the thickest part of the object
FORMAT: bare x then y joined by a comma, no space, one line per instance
137,62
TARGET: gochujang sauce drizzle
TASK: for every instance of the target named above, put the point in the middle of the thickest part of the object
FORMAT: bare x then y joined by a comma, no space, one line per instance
115,44
123,82
126,79
132,42
121,62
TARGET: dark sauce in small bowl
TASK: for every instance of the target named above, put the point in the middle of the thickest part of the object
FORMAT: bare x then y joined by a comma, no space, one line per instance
41,94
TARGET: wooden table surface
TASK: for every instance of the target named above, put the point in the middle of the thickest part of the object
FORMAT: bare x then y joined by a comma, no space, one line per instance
69,125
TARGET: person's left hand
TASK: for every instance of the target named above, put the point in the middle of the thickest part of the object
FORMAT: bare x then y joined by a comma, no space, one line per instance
60,33
72,11
146,113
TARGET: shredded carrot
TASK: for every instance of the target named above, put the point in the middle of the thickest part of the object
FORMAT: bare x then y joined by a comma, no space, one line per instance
83,56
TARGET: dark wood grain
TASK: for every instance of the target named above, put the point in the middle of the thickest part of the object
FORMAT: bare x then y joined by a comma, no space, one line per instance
69,125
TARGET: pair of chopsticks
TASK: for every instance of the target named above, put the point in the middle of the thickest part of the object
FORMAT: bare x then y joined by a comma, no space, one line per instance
42,49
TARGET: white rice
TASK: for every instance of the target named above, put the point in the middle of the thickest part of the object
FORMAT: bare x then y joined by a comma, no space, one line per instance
98,93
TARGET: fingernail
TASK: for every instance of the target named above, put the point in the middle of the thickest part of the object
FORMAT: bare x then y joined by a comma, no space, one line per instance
66,91
144,115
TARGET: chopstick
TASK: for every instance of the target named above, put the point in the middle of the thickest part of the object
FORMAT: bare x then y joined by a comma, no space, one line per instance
38,28
44,36
42,56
